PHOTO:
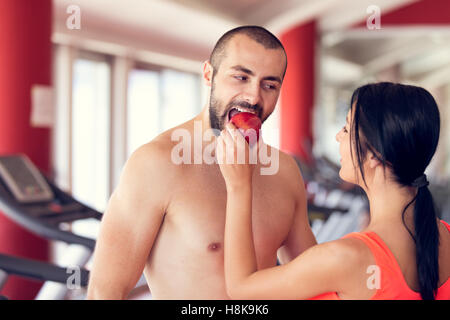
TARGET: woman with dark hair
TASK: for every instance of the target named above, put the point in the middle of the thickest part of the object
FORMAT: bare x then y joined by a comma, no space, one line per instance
390,137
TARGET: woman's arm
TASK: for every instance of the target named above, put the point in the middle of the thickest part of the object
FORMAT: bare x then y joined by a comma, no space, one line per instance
322,268
239,250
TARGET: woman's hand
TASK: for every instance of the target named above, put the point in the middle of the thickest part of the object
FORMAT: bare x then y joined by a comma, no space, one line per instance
237,160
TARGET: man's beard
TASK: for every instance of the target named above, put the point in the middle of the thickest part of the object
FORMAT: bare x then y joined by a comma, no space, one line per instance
217,121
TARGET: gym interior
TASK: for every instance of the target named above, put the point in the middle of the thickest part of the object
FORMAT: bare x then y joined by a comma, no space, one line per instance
84,83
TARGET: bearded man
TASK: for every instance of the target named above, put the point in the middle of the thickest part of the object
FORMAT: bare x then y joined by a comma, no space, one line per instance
166,219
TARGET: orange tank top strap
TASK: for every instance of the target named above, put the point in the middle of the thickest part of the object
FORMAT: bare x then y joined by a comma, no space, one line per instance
392,284
446,224
382,255
385,275
444,290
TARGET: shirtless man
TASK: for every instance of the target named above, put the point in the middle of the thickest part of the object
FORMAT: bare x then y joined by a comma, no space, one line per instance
167,220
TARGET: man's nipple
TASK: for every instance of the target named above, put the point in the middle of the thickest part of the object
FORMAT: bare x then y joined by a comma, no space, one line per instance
214,246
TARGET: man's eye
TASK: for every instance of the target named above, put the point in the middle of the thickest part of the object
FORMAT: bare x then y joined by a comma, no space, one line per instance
241,78
270,86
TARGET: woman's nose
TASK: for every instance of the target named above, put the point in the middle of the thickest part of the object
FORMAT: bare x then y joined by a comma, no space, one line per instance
338,136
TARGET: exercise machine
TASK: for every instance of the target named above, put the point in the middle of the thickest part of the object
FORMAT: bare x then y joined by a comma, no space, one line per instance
335,208
31,200
40,271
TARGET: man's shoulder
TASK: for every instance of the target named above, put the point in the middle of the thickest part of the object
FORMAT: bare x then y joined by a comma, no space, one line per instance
163,144
288,162
155,156
288,174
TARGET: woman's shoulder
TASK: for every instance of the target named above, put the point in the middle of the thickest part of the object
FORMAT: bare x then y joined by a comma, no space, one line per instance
353,260
346,255
350,248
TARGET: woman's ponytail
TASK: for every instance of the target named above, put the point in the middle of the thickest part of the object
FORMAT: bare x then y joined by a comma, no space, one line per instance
426,236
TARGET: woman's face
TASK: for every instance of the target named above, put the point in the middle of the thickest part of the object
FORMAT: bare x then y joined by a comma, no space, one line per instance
347,172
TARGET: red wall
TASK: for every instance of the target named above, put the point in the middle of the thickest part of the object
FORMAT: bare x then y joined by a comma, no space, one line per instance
297,93
432,12
25,59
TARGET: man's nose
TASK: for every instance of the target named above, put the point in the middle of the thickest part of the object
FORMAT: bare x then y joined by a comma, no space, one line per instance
252,95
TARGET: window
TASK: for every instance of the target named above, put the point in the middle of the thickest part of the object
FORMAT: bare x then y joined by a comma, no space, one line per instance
143,108
90,132
181,97
157,101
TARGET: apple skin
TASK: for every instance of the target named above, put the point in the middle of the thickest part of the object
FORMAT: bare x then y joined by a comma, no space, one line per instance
246,120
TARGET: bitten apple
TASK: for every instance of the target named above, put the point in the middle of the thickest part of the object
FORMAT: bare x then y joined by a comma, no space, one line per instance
246,120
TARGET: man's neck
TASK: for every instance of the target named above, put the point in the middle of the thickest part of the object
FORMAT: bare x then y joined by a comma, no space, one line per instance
203,116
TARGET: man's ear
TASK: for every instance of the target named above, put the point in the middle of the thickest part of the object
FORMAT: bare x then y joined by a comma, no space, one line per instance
207,73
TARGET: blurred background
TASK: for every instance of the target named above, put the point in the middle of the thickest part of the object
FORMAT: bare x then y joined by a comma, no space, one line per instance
83,83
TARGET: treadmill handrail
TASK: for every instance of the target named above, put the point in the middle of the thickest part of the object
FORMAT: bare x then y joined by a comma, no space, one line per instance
39,270
41,228
13,210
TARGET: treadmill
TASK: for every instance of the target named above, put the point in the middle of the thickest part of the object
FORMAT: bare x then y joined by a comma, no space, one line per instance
40,271
31,200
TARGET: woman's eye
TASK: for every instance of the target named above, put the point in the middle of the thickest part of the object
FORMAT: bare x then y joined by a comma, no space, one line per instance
345,129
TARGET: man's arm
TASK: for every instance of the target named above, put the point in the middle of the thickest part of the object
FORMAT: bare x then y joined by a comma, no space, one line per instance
300,236
129,225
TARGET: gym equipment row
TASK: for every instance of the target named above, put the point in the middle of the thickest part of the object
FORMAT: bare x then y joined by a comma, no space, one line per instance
31,200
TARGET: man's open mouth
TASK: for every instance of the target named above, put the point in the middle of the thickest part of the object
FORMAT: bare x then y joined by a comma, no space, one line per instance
236,110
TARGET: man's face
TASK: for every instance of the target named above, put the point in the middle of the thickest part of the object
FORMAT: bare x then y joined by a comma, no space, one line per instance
248,79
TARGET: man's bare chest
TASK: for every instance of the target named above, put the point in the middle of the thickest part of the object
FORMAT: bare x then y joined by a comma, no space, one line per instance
197,210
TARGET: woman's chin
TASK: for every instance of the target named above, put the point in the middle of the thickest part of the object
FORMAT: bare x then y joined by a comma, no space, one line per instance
345,177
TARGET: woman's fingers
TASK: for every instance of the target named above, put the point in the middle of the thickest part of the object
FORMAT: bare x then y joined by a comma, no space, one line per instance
240,143
220,148
232,147
225,149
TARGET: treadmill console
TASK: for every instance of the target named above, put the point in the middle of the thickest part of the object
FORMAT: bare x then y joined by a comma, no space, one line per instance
24,180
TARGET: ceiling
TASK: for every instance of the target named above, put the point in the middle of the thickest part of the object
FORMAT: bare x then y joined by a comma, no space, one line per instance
189,28
417,55
183,32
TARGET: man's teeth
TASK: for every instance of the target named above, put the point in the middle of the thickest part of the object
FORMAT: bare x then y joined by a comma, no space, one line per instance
243,110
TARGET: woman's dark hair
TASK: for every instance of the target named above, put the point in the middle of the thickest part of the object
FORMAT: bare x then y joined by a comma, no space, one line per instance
400,125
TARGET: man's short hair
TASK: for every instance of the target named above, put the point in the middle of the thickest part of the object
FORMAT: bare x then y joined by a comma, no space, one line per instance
256,33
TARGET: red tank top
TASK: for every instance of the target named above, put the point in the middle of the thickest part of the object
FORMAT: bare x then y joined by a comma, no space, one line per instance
392,283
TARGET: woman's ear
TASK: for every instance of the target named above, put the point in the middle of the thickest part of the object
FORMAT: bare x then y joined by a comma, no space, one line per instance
207,73
373,160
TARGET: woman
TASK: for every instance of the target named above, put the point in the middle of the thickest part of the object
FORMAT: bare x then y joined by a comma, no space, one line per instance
391,134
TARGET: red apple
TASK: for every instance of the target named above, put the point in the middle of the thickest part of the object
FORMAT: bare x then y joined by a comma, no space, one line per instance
246,120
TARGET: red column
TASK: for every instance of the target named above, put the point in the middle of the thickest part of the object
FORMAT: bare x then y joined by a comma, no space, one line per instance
297,94
25,59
